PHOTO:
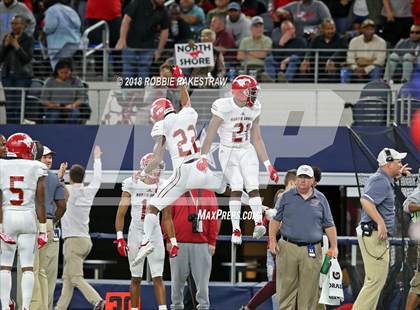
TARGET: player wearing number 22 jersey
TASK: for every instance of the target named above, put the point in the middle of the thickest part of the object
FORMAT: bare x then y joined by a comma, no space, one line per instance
22,208
177,132
236,120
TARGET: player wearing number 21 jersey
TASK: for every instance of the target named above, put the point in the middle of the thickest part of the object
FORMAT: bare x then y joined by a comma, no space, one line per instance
22,208
177,132
138,193
236,120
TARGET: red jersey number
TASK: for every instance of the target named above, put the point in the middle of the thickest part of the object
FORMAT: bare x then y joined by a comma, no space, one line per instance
17,191
190,135
241,132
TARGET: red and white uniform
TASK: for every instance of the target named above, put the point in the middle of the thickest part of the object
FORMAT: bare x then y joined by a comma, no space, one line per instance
18,183
141,193
180,134
237,155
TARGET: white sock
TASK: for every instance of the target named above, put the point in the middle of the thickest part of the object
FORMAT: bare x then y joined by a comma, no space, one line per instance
6,287
162,307
27,285
150,223
235,213
256,206
245,198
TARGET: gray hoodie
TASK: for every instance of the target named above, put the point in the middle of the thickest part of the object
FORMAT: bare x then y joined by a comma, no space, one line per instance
239,29
8,12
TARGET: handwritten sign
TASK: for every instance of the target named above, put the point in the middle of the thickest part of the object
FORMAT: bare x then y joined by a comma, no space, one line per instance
194,56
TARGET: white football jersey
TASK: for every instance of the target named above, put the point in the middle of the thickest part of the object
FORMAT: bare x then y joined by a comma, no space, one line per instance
235,131
140,193
18,182
181,134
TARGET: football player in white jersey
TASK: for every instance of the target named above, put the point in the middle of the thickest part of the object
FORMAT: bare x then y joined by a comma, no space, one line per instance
137,193
176,132
22,214
236,120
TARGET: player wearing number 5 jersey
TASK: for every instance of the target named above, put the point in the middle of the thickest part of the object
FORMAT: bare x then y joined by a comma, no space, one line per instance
137,193
22,214
236,120
176,132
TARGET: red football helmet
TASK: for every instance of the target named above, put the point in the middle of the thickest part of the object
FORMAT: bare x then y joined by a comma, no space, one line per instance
145,160
160,107
245,89
20,145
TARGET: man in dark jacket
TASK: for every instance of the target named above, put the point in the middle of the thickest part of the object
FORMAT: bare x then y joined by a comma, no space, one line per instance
16,56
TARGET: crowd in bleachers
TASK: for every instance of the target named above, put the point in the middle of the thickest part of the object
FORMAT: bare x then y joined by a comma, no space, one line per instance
264,38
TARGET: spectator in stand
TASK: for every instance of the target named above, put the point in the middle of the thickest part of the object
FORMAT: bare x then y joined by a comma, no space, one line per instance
10,8
224,39
3,150
61,29
406,58
218,70
193,15
221,9
138,29
367,9
287,56
280,3
329,61
237,23
206,5
196,234
307,16
366,55
398,20
269,290
254,49
16,57
251,8
179,31
415,11
63,105
110,12
340,11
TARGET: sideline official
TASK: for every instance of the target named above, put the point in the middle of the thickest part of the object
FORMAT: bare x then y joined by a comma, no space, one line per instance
376,224
303,213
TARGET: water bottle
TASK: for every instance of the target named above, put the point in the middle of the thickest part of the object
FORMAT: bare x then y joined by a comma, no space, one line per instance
327,262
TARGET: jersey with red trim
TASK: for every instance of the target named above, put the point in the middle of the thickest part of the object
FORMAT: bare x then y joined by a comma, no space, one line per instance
18,182
140,193
180,134
235,131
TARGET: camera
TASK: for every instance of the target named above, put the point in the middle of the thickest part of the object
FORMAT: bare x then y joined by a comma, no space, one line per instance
367,228
196,223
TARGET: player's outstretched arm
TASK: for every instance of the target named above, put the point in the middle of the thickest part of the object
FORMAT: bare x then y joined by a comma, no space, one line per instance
259,145
40,201
1,207
119,223
184,97
211,132
158,152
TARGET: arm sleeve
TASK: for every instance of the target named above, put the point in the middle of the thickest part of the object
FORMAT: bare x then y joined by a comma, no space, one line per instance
375,192
42,170
46,93
80,92
126,186
157,129
414,197
323,11
380,54
268,43
217,109
351,57
279,206
26,50
327,219
95,184
30,21
132,8
242,45
51,21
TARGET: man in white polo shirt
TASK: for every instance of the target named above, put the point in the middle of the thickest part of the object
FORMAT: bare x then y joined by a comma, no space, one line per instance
75,230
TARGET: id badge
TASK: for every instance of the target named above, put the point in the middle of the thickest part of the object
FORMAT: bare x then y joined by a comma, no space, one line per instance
57,234
311,251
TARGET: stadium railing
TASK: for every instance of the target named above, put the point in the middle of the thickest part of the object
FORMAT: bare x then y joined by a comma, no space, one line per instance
112,105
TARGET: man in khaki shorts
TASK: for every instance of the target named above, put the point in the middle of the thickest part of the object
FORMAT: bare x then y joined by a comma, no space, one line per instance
412,206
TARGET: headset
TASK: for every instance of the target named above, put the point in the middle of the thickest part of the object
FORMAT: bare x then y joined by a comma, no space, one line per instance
388,155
